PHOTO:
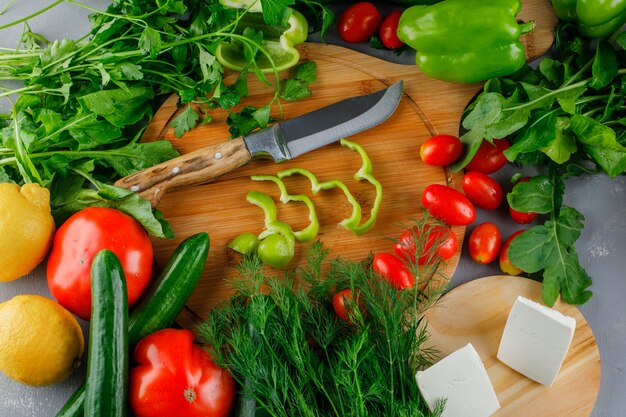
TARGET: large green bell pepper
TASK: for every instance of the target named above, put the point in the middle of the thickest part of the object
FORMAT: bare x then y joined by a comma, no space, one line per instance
465,40
595,18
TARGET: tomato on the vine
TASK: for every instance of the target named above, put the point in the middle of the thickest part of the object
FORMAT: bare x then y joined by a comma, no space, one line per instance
393,270
406,248
388,31
506,265
484,243
441,150
359,22
344,302
489,158
448,204
482,190
76,243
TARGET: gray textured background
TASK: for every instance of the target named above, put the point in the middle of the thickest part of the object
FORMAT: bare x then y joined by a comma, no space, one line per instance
602,250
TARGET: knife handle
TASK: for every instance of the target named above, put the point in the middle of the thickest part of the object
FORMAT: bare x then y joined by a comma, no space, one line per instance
200,166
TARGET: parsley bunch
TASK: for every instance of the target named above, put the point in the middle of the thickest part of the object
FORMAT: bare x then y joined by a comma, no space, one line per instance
292,356
83,104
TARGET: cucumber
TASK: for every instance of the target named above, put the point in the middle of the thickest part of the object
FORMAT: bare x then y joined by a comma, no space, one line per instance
160,306
107,363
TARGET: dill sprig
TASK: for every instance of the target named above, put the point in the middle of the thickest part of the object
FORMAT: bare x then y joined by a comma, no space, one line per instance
283,343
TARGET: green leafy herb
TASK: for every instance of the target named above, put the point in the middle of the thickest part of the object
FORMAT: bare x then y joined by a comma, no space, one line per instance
185,121
569,116
282,341
297,87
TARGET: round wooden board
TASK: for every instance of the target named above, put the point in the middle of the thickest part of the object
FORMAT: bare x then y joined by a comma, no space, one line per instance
477,311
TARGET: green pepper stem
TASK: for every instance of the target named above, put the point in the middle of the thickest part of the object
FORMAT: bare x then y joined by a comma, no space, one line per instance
527,26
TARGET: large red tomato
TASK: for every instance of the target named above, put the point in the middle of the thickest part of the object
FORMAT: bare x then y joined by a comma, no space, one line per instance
359,22
176,377
76,243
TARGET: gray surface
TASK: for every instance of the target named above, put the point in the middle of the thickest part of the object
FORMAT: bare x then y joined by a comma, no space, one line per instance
602,251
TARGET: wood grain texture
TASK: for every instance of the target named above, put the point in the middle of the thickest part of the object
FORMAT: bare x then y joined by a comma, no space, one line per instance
427,107
477,311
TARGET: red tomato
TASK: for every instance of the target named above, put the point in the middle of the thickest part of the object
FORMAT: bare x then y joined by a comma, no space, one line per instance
359,22
484,243
442,236
489,158
342,308
388,31
441,150
76,243
505,263
393,270
176,377
521,217
449,205
482,190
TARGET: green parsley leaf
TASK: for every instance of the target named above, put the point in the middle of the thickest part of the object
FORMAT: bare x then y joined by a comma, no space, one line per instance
185,121
276,12
150,42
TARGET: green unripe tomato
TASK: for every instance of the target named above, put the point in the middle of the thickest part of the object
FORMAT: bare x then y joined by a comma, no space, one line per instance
276,250
245,243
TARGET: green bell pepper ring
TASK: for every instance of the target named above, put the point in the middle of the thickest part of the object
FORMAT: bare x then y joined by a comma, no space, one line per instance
278,42
277,241
246,243
595,18
465,40
308,233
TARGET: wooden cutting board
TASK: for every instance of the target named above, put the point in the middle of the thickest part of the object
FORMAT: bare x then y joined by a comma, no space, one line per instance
220,208
476,313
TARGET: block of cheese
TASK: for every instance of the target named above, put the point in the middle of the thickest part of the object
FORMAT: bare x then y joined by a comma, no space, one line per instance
536,340
461,379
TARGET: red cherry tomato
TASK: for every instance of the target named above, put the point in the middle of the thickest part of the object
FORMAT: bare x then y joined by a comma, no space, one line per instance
393,270
76,243
521,217
343,307
484,243
505,263
449,205
489,158
359,22
441,150
176,377
405,248
482,190
388,31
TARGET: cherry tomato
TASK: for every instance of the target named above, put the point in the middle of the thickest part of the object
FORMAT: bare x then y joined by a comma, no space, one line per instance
359,22
76,243
342,307
442,236
505,263
176,377
484,243
441,150
388,31
482,190
449,205
489,158
393,270
521,217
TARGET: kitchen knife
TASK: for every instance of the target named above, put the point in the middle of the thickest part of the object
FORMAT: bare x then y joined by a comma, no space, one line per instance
281,141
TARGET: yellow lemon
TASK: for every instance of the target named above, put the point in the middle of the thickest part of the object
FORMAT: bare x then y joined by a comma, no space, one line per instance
41,343
26,228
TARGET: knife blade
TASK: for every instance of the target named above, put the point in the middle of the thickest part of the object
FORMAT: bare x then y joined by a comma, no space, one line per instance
281,141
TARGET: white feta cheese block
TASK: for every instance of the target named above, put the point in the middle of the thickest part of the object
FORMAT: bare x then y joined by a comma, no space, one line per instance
461,379
536,340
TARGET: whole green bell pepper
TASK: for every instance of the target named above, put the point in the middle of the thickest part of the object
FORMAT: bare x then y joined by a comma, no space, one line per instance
595,18
465,40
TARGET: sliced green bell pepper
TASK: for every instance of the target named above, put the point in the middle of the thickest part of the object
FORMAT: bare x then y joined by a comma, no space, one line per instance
308,233
465,40
278,42
595,18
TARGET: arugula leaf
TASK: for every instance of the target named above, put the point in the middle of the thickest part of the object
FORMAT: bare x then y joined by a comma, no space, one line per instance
539,132
185,121
601,143
564,144
550,247
604,67
535,195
